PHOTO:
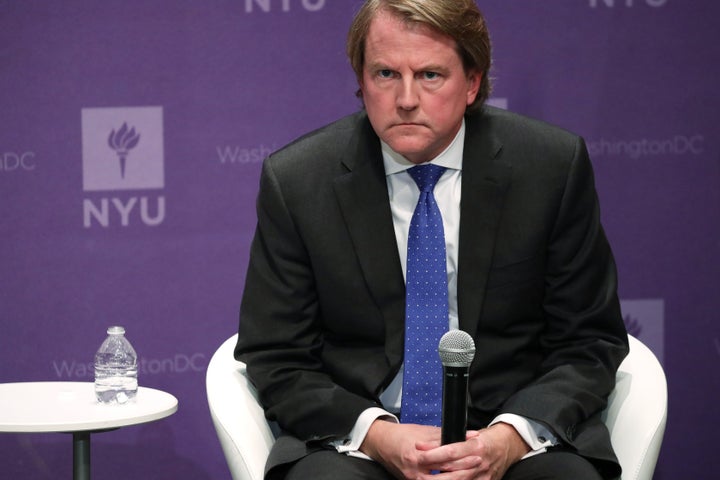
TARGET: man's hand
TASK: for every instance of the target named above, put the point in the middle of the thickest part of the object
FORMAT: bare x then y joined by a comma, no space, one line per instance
414,451
394,445
485,455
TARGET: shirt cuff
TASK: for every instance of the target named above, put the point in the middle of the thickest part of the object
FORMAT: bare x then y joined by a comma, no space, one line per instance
535,434
350,445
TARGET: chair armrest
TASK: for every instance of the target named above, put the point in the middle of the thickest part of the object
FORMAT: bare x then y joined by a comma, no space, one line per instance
239,420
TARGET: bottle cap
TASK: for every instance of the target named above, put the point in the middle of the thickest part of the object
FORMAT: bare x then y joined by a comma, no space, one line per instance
117,330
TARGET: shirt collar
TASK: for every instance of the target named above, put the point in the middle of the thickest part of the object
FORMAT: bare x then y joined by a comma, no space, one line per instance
451,157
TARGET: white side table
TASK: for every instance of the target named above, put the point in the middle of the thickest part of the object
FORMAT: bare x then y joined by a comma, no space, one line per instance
70,407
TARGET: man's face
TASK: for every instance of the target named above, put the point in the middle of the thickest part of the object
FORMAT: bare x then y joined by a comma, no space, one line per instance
414,87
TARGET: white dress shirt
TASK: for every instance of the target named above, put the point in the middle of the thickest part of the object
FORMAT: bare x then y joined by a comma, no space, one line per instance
404,195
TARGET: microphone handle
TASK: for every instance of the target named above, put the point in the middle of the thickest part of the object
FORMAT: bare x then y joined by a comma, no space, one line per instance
454,404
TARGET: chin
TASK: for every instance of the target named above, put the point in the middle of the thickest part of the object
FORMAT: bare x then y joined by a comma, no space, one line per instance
407,149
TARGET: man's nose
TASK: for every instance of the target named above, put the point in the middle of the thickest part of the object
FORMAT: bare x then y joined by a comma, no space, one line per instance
407,94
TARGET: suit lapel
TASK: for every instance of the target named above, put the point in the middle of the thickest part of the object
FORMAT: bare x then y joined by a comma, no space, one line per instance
485,179
363,198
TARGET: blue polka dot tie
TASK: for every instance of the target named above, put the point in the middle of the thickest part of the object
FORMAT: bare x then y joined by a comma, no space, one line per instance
426,304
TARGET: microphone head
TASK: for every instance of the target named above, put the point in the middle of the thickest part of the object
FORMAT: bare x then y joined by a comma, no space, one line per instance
456,349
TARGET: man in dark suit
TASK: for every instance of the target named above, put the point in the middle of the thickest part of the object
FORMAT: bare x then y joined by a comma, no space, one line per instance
530,275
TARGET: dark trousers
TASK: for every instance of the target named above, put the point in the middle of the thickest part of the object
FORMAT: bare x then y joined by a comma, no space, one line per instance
330,465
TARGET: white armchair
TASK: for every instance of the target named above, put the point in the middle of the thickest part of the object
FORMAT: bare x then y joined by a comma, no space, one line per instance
636,414
244,434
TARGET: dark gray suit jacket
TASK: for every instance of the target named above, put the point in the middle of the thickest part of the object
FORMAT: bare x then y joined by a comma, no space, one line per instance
321,321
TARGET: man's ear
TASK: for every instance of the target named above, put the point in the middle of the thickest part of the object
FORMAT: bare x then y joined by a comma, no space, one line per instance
474,79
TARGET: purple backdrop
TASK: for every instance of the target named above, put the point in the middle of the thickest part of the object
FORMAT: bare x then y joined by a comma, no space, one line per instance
160,246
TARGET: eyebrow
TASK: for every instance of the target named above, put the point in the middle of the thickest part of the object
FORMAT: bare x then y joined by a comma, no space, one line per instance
425,68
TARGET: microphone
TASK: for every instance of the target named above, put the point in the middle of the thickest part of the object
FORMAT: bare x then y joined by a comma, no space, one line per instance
456,350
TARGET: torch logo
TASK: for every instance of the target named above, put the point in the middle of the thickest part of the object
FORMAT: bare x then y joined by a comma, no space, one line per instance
123,148
121,141
130,193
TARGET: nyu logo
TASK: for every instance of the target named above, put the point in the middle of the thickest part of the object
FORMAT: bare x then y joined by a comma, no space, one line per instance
499,102
645,320
115,159
284,5
627,3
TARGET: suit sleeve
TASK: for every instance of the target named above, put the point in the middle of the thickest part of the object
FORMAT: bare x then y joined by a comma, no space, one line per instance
584,339
280,330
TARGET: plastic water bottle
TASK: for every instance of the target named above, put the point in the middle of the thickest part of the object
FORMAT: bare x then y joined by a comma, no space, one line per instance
116,369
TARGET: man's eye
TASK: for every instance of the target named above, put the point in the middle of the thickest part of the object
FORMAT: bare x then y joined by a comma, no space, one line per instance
385,73
430,75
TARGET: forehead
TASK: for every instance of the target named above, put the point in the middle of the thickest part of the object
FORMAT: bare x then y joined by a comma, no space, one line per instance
392,38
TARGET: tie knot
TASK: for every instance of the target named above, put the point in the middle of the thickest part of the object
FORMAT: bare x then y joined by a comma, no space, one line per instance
426,176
